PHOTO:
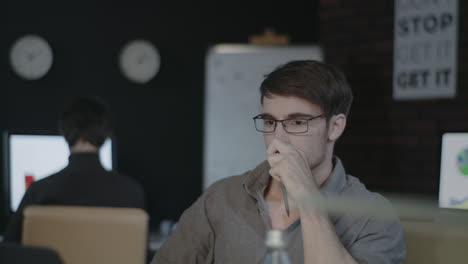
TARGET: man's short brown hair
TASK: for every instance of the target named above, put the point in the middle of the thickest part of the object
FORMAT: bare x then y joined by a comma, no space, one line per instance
87,119
316,82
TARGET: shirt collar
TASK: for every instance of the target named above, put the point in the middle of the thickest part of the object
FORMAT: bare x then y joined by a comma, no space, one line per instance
84,160
336,182
257,180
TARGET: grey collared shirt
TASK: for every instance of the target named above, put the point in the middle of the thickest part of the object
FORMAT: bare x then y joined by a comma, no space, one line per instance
228,223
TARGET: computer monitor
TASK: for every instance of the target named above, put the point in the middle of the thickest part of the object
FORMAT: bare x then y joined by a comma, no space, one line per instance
453,187
31,157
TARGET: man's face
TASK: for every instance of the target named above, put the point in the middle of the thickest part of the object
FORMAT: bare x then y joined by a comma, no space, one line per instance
314,142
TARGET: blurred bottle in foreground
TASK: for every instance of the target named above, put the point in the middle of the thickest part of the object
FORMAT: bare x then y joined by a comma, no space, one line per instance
276,248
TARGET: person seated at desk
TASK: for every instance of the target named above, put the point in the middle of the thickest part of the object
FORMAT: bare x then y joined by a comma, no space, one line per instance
85,125
305,108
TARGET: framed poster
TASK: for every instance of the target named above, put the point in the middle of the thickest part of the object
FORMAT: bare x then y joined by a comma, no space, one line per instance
425,49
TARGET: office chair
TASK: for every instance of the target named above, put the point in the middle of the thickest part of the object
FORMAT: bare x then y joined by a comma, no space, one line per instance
12,253
88,234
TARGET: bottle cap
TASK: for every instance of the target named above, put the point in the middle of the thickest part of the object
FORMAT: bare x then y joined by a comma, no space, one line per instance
274,239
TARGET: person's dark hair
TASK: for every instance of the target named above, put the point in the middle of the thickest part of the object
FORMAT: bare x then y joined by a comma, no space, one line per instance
87,119
316,82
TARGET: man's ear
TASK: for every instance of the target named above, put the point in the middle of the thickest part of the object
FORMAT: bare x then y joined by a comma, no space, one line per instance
337,124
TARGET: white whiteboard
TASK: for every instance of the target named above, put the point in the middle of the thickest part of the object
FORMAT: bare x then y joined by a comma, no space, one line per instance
232,97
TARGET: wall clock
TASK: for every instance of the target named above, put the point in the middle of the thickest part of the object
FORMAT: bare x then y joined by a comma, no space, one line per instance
139,61
31,57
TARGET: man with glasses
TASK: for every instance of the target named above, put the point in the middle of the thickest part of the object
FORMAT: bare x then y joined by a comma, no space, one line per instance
304,111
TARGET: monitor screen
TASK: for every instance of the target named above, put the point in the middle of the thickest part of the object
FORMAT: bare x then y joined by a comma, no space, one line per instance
33,157
453,187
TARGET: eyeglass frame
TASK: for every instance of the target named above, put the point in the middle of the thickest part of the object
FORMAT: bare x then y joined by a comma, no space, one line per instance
261,116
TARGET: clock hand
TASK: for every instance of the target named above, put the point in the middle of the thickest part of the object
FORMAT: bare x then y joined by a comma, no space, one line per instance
141,59
31,56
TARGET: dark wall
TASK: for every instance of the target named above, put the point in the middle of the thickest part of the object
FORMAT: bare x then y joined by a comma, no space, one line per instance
158,125
390,145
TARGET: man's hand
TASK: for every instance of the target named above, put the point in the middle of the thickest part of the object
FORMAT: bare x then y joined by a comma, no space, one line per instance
321,244
289,165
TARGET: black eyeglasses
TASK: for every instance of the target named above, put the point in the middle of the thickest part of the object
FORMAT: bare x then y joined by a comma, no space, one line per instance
293,126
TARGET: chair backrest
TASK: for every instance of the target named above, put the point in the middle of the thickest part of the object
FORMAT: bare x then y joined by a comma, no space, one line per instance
11,253
88,234
428,242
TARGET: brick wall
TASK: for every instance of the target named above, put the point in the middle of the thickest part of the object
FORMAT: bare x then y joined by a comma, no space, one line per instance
390,145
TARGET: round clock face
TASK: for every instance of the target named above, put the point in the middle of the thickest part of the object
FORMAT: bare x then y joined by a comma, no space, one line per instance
31,57
139,61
